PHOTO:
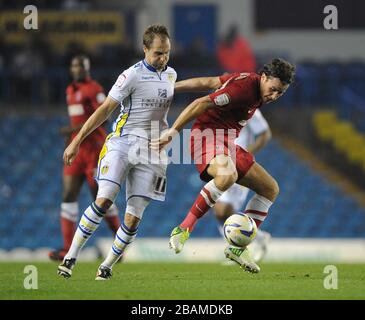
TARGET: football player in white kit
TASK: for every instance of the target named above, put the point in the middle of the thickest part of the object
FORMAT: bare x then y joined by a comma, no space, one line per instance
145,92
253,137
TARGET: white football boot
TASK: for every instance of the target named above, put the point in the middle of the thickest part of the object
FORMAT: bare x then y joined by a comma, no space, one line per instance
242,257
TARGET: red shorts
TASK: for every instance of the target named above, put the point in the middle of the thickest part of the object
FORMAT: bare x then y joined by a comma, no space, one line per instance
85,163
203,151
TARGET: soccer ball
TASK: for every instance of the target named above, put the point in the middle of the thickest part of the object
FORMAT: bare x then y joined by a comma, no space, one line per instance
239,230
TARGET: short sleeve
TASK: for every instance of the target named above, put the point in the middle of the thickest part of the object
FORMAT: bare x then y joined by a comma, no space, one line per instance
232,93
235,91
123,87
257,124
225,77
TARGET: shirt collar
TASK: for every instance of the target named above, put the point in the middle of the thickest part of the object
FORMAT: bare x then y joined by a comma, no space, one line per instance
151,68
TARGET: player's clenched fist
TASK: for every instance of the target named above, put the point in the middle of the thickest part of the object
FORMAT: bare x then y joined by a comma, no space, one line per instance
163,140
70,153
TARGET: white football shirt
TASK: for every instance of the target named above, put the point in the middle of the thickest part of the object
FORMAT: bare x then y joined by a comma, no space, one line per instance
254,127
145,96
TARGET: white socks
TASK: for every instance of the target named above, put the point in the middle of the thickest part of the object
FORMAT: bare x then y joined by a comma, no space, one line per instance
257,208
124,237
89,222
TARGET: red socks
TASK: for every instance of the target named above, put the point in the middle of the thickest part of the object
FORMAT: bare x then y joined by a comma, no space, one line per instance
205,200
68,229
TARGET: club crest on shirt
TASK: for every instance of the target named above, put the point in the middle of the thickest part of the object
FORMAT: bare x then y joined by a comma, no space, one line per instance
171,77
222,99
104,169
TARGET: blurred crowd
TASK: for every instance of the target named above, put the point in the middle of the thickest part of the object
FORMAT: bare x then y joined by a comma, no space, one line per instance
35,73
47,4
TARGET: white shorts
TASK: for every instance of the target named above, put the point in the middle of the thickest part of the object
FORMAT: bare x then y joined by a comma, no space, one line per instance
235,196
129,159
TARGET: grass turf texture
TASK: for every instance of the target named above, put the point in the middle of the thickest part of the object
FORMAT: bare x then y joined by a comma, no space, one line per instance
172,281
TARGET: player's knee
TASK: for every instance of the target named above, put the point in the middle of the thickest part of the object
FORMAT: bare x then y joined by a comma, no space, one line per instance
225,181
107,190
136,206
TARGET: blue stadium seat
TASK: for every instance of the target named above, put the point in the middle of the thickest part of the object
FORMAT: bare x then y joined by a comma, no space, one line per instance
30,190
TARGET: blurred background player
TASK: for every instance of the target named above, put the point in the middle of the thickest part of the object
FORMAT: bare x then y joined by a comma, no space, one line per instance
145,92
253,137
234,52
84,96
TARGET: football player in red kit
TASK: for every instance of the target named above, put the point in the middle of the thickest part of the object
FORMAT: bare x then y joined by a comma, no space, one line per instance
84,95
220,117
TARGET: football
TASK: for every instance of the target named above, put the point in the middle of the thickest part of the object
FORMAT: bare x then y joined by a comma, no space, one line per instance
239,230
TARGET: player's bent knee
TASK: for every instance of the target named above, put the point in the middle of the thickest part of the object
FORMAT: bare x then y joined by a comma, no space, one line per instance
107,190
136,206
224,182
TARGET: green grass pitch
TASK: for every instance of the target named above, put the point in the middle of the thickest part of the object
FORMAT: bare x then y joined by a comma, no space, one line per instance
183,281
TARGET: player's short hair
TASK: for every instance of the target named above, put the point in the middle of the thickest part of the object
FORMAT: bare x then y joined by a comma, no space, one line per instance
84,61
279,68
152,31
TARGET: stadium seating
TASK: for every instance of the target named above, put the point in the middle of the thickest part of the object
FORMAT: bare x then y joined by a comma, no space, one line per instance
30,192
342,135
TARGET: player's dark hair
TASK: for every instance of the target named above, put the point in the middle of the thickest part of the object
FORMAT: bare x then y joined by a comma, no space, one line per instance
279,68
152,31
84,61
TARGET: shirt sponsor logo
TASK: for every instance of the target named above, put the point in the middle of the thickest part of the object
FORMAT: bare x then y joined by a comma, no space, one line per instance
75,110
221,99
162,93
148,77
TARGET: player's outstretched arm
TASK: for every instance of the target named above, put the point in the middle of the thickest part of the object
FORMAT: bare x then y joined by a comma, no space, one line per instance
96,119
198,84
192,111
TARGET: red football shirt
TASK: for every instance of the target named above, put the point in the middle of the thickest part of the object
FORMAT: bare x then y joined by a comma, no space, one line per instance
236,102
83,98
